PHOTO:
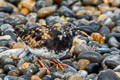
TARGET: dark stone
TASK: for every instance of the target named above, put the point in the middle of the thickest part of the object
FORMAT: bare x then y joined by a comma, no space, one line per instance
104,30
66,11
91,56
103,50
111,64
7,9
108,75
53,20
92,68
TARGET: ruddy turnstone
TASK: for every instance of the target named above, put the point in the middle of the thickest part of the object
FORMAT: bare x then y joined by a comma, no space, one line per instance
48,42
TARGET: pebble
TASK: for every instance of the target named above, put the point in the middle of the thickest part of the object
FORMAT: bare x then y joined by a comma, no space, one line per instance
113,42
75,77
63,10
91,76
108,75
92,68
12,78
91,56
83,73
112,61
51,20
82,63
46,11
7,9
18,45
6,27
26,4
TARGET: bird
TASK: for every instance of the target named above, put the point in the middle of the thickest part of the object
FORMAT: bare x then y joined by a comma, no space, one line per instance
48,41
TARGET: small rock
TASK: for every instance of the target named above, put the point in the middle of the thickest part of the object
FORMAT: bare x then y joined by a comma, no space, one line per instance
104,31
91,76
35,77
18,45
83,73
13,78
113,42
75,77
8,9
1,71
111,61
82,63
26,4
92,68
53,20
32,17
98,37
41,73
66,11
90,2
91,56
46,11
6,27
116,29
42,22
108,75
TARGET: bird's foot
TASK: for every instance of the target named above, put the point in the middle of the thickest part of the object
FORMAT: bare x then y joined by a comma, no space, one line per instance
58,64
42,64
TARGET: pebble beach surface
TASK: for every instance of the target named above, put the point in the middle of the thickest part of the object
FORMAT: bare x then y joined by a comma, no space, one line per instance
88,32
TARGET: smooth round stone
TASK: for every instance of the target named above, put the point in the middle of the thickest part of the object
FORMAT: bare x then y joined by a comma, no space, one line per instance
91,76
49,77
13,78
41,72
46,11
112,61
88,29
6,27
75,77
9,67
7,9
117,69
116,29
10,33
103,50
90,2
26,76
82,63
115,3
91,56
69,69
75,65
4,60
92,68
108,22
32,17
83,73
66,11
14,73
113,42
79,48
53,20
108,75
3,49
104,31
2,76
93,44
13,1
30,69
15,20
114,35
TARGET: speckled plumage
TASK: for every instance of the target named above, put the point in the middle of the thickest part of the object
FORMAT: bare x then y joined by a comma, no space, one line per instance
51,37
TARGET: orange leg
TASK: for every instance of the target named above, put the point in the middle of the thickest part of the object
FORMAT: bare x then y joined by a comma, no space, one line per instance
48,71
58,64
